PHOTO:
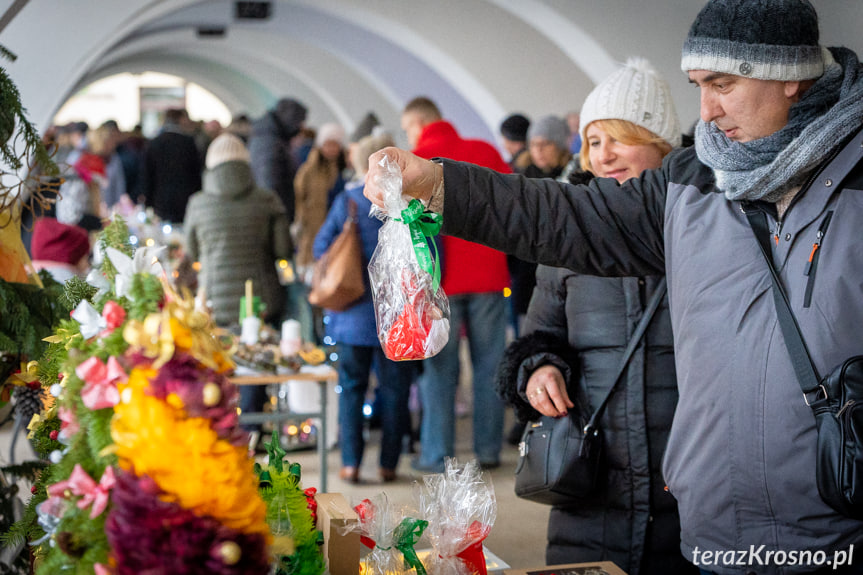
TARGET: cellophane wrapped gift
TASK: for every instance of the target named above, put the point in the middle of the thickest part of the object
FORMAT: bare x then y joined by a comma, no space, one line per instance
391,533
411,309
460,507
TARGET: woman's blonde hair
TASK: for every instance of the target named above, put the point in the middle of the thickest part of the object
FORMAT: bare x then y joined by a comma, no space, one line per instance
626,133
368,146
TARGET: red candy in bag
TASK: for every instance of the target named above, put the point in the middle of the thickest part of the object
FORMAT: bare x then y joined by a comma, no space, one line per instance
409,334
411,309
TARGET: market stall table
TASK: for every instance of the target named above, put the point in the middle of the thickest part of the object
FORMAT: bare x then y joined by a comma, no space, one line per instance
323,377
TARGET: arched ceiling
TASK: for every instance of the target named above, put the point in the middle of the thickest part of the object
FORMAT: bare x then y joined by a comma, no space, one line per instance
479,59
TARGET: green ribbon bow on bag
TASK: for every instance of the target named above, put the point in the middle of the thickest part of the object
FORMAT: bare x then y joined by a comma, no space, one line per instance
423,224
405,536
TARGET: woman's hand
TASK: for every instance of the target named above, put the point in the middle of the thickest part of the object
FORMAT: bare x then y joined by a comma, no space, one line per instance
419,176
546,391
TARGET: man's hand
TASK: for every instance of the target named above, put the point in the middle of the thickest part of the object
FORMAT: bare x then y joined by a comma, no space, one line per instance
546,391
419,176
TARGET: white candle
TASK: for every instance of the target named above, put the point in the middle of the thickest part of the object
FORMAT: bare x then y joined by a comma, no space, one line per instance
291,338
290,329
250,330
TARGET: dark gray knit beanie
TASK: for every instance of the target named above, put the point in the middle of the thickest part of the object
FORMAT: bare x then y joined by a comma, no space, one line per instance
762,39
291,114
514,127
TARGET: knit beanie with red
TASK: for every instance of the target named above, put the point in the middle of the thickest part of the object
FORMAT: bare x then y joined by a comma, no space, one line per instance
57,242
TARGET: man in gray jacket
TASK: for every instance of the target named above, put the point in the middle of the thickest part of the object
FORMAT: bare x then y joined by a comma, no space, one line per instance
775,108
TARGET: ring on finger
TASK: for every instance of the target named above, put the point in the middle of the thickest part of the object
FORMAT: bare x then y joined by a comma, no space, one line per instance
539,393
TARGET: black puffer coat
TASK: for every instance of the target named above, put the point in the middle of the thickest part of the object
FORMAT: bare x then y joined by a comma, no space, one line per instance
171,172
273,164
632,521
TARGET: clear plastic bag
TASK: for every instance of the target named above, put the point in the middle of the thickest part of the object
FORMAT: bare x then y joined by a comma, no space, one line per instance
411,309
391,533
460,507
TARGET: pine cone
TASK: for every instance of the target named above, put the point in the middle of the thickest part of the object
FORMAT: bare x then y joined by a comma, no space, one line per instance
28,402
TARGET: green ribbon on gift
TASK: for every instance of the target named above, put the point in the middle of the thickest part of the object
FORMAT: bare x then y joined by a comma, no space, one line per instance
423,224
275,452
405,536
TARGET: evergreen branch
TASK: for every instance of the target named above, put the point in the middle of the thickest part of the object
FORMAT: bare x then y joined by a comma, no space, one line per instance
27,470
14,124
6,54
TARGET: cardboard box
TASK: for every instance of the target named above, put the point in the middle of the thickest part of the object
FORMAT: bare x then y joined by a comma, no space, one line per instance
598,568
341,551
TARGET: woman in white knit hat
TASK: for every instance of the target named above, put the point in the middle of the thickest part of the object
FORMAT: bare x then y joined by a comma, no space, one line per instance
580,325
237,231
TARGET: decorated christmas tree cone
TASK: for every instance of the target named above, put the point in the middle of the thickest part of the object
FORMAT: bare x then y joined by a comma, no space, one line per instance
149,472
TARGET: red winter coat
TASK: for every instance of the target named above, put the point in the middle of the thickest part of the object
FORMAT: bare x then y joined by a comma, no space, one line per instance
467,267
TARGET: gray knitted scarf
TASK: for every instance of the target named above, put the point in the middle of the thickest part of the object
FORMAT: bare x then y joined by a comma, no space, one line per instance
765,169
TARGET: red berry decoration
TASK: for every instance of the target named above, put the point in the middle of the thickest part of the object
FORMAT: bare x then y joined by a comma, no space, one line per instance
53,435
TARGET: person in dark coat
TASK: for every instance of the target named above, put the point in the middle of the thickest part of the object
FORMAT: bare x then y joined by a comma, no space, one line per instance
578,327
172,169
273,163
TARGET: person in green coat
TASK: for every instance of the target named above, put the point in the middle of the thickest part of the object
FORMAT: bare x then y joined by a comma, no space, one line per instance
237,231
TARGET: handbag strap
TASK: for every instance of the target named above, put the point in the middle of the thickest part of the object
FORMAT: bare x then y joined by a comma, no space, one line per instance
807,376
352,211
636,338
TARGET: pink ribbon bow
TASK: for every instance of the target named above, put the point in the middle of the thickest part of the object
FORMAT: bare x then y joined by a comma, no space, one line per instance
69,425
100,390
114,316
79,483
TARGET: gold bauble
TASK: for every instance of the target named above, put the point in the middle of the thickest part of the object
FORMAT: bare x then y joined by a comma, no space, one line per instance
212,394
230,553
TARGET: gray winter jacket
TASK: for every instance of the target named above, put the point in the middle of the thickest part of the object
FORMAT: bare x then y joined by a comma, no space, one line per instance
741,456
237,232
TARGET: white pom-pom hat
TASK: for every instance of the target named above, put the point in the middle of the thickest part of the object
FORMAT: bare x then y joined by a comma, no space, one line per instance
636,93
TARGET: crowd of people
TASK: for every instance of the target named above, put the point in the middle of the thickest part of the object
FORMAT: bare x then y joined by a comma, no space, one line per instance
741,457
708,442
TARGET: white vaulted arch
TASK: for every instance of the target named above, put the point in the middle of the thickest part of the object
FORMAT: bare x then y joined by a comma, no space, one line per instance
480,59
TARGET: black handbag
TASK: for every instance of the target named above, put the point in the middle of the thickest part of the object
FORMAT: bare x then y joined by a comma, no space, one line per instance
837,399
560,460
